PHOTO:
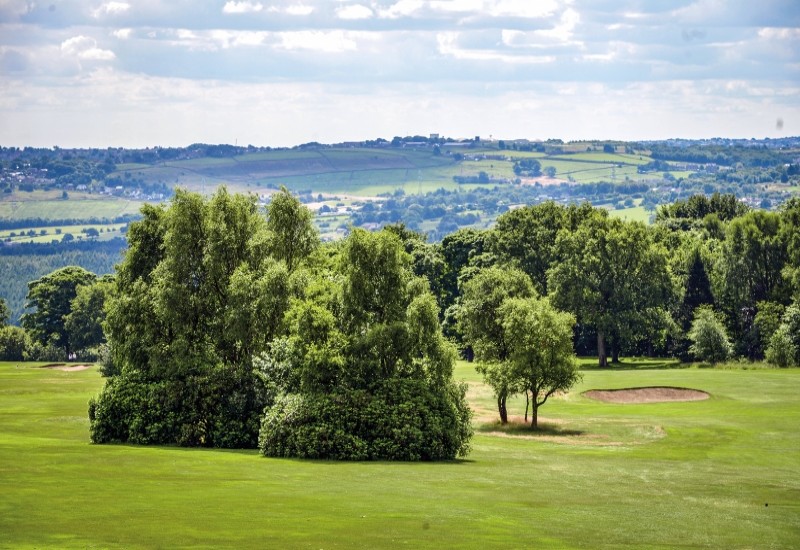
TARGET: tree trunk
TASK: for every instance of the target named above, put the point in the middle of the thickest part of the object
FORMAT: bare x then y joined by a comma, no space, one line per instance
534,415
501,408
614,354
527,402
601,349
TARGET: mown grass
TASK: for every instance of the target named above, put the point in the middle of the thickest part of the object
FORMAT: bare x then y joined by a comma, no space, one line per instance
720,473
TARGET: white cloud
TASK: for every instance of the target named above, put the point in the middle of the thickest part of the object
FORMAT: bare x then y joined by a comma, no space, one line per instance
522,8
323,41
84,47
771,33
122,34
448,45
402,8
354,11
242,7
565,28
293,9
299,9
111,8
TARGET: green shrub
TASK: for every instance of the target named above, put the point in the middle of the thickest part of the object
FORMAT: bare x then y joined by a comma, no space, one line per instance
403,419
708,336
782,351
14,343
219,409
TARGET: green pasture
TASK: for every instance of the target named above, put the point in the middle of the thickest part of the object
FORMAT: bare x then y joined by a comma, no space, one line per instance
75,230
720,473
370,172
635,214
68,209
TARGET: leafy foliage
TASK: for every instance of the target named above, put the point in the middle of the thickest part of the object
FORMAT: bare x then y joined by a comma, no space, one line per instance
709,339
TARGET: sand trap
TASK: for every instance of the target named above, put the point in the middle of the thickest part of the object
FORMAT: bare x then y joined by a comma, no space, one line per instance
654,394
66,368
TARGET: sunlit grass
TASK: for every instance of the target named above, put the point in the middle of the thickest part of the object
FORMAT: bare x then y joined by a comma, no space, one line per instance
599,475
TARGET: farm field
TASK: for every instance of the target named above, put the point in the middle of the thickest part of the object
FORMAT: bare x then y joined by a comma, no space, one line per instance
719,473
16,235
99,207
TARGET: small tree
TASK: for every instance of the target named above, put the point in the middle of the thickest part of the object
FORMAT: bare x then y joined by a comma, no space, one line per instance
784,346
539,339
481,325
781,350
709,339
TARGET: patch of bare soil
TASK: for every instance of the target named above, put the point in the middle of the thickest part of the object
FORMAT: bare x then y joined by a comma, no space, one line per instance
66,368
654,394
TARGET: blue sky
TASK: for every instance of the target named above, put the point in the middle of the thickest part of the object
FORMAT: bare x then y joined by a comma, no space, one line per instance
95,73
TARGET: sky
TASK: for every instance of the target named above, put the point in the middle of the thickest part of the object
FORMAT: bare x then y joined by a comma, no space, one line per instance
143,73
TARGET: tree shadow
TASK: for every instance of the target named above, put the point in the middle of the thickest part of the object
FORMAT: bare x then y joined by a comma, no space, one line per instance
635,364
522,428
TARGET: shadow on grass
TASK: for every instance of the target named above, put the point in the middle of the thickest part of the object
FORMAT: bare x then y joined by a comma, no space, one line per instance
590,363
524,428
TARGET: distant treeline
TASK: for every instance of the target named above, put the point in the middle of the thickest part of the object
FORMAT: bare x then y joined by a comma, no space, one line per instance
723,155
23,262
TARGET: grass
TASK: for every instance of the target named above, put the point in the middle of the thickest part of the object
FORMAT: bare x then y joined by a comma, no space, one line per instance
634,214
112,229
100,207
598,476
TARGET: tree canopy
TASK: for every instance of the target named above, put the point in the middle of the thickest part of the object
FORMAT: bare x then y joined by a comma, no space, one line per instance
230,329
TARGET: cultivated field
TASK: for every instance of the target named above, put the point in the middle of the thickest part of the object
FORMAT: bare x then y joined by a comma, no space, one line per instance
718,473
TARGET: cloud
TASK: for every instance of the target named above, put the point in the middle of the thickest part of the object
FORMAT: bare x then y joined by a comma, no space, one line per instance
122,34
84,47
245,6
354,11
323,41
402,8
293,9
111,8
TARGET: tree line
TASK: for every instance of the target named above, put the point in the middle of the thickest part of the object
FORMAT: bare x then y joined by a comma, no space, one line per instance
225,327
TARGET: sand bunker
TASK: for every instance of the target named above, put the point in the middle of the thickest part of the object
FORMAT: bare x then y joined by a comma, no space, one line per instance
66,368
654,394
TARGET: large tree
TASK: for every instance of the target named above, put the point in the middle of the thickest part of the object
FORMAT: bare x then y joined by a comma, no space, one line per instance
539,339
526,237
369,375
612,276
198,294
50,299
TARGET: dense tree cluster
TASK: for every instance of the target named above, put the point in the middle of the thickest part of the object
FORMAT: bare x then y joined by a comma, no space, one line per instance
231,330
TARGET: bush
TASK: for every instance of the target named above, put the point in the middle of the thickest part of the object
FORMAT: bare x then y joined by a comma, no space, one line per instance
709,340
14,343
404,419
782,351
219,409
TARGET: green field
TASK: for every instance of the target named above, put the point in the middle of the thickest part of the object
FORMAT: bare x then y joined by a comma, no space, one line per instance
110,230
100,207
720,473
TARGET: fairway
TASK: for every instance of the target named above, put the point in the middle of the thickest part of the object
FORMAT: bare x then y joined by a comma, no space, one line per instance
719,473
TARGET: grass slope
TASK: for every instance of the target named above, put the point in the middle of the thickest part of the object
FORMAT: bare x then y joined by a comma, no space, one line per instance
602,476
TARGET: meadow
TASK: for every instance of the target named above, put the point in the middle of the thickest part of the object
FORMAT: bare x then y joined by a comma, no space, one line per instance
719,473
